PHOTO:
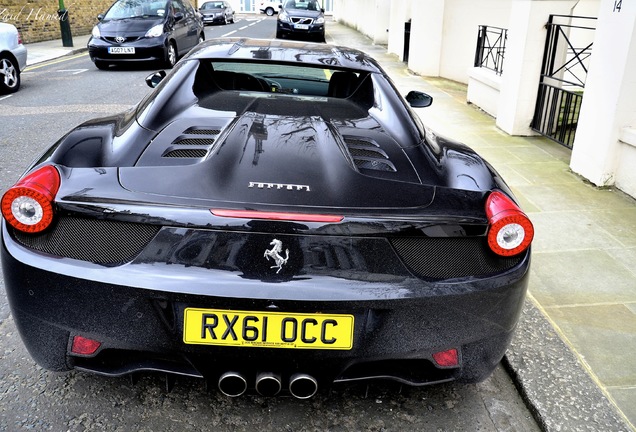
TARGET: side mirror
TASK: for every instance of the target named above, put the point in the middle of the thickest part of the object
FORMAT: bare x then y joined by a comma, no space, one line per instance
100,17
154,79
418,99
178,16
280,6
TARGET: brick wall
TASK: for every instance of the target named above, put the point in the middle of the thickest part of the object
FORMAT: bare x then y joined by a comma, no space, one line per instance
38,20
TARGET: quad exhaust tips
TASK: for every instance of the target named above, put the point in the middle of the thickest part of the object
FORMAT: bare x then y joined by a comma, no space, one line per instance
301,386
232,384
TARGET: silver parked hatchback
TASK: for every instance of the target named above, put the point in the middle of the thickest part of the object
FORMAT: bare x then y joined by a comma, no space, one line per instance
13,58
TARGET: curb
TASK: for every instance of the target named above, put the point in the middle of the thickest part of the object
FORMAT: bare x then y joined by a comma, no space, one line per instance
557,390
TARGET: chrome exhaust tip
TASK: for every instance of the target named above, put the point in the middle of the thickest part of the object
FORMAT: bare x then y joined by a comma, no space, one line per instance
302,386
232,384
268,384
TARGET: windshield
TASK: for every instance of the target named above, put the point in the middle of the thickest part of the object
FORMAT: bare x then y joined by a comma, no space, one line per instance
213,5
311,5
302,82
123,9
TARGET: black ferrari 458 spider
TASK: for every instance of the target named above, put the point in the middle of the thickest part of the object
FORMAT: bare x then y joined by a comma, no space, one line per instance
272,217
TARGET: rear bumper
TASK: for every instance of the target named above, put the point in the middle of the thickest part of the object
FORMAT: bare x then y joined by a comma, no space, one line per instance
399,323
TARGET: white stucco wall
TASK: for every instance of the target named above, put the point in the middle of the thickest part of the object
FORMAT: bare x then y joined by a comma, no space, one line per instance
443,39
370,17
399,13
462,19
604,151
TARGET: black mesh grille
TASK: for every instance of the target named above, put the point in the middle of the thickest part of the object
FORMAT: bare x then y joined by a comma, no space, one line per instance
368,155
186,153
450,257
195,141
374,164
103,242
195,131
364,152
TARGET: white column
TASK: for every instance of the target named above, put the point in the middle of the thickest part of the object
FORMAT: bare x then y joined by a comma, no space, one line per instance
382,21
427,32
603,151
400,12
522,64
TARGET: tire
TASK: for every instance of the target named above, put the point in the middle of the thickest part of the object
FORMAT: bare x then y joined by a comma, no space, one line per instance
101,65
171,55
269,11
201,38
232,20
279,35
9,75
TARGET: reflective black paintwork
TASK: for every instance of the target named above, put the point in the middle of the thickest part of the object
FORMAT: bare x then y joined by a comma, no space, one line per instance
188,149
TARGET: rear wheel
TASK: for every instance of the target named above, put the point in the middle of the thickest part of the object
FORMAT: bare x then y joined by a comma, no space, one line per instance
269,11
9,75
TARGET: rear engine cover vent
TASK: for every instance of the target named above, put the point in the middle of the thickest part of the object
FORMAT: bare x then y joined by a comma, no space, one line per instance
186,153
202,131
194,143
368,155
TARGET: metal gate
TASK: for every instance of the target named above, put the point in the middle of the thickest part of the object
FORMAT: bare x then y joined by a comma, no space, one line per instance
568,48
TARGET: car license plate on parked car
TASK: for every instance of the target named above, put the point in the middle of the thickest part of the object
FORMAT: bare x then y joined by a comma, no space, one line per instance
301,26
267,330
121,50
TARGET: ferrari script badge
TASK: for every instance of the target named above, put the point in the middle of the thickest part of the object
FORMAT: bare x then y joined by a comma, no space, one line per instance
274,253
280,186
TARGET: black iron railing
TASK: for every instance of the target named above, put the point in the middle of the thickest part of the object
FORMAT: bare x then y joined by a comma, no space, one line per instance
563,74
491,47
557,113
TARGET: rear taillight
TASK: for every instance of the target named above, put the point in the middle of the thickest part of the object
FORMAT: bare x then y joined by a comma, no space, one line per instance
510,231
28,205
19,39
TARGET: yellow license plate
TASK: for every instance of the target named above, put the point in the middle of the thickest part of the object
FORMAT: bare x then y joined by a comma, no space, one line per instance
267,330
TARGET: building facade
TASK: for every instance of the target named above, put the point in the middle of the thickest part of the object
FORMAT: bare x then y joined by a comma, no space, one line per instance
590,59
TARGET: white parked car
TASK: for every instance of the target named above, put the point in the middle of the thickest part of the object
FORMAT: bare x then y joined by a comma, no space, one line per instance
13,57
270,8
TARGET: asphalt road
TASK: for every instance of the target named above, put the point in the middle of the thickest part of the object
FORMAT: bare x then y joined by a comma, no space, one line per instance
55,97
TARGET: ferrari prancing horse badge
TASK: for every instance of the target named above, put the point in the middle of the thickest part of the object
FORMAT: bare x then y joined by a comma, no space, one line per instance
274,253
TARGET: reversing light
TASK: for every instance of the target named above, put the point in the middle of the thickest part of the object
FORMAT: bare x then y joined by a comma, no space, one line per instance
510,231
298,217
84,346
448,358
28,205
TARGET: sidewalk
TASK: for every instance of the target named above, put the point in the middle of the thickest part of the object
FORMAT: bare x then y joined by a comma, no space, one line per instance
574,354
40,52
